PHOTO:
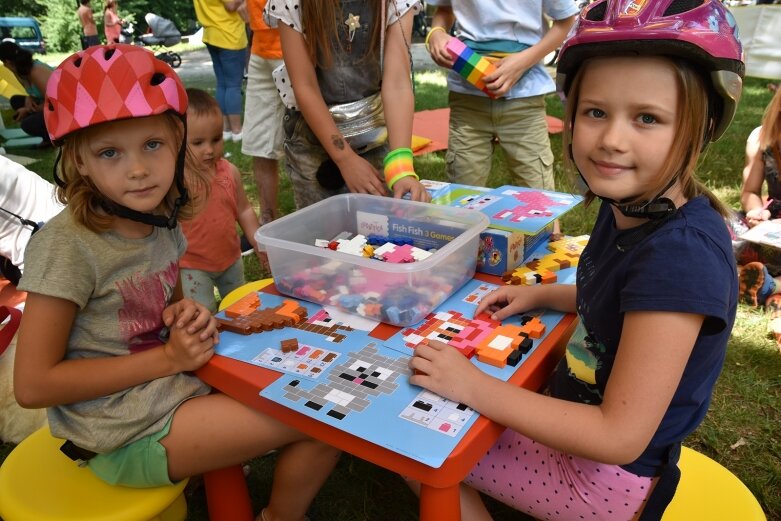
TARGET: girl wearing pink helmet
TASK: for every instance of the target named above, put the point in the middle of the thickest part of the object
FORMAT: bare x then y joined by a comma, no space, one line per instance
113,364
648,83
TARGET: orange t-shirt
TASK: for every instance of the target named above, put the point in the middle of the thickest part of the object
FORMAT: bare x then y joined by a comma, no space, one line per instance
212,241
265,40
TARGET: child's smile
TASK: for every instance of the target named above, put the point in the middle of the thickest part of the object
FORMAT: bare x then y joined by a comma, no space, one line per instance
625,124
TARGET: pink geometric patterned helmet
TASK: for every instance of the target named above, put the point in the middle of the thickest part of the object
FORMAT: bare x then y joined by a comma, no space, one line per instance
107,83
702,32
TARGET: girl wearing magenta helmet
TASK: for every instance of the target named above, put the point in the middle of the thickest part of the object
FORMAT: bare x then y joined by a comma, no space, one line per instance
113,364
648,85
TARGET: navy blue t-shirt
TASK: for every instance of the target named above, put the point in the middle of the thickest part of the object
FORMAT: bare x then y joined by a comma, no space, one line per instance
686,265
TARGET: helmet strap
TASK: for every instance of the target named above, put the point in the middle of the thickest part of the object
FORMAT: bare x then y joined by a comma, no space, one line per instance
657,208
160,221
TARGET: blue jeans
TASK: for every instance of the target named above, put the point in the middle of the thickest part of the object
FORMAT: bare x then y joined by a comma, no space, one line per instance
229,70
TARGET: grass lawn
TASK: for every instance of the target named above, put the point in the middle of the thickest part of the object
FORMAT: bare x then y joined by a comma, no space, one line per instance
741,431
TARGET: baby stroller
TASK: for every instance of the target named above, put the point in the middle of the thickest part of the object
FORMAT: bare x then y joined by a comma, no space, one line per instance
163,34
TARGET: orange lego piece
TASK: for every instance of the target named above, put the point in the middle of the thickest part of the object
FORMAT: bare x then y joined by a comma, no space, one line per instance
288,313
534,328
244,306
502,341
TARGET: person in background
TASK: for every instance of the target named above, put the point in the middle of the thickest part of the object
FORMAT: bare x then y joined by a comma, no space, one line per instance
33,75
263,112
112,23
340,53
513,36
760,270
88,27
114,364
26,202
213,256
648,86
226,40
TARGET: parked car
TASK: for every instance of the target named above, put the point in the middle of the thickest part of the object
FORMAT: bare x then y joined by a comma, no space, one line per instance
25,31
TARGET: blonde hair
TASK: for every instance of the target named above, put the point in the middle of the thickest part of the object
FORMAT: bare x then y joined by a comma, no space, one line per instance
693,121
770,132
84,199
318,19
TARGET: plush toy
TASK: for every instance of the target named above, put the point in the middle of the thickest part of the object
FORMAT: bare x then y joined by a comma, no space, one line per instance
15,423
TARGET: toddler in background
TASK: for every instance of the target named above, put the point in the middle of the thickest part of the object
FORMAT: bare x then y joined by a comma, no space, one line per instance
213,256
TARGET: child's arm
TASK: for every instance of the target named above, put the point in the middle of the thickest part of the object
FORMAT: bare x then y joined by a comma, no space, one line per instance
653,352
510,69
359,175
398,101
247,218
43,377
753,179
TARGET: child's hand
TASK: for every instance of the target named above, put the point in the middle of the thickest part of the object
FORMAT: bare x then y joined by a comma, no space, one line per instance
416,190
193,316
440,368
756,216
505,301
437,47
263,259
361,177
188,351
508,71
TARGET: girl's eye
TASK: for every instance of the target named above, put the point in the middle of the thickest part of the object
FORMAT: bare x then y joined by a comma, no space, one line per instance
153,145
595,113
108,153
647,119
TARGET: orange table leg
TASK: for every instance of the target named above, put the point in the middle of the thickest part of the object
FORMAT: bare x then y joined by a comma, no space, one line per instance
440,503
227,496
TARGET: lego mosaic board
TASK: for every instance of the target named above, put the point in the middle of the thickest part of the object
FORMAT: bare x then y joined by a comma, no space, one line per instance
367,383
511,208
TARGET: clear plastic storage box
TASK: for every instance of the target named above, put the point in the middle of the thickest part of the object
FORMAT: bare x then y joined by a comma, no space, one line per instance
399,294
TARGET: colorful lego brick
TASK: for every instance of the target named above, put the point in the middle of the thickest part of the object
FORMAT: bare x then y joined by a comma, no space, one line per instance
288,345
470,65
565,253
289,313
400,254
502,341
244,306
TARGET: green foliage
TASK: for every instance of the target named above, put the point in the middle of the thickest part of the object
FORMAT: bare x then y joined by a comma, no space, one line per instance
60,25
34,8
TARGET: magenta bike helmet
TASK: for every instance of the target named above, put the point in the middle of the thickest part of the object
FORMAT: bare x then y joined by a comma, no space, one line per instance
109,83
702,32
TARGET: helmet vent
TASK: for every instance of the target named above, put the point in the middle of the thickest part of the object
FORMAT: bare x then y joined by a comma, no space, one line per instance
108,54
597,12
157,78
77,62
681,6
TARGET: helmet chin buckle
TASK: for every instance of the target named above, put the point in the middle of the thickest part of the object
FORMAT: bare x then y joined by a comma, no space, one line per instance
657,209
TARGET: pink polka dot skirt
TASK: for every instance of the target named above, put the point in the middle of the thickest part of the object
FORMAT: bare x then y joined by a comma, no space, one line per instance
548,484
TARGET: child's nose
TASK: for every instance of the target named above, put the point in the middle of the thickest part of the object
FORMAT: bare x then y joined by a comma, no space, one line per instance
138,168
614,135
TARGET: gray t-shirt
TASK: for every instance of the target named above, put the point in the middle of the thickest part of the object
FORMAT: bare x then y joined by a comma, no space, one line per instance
121,287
